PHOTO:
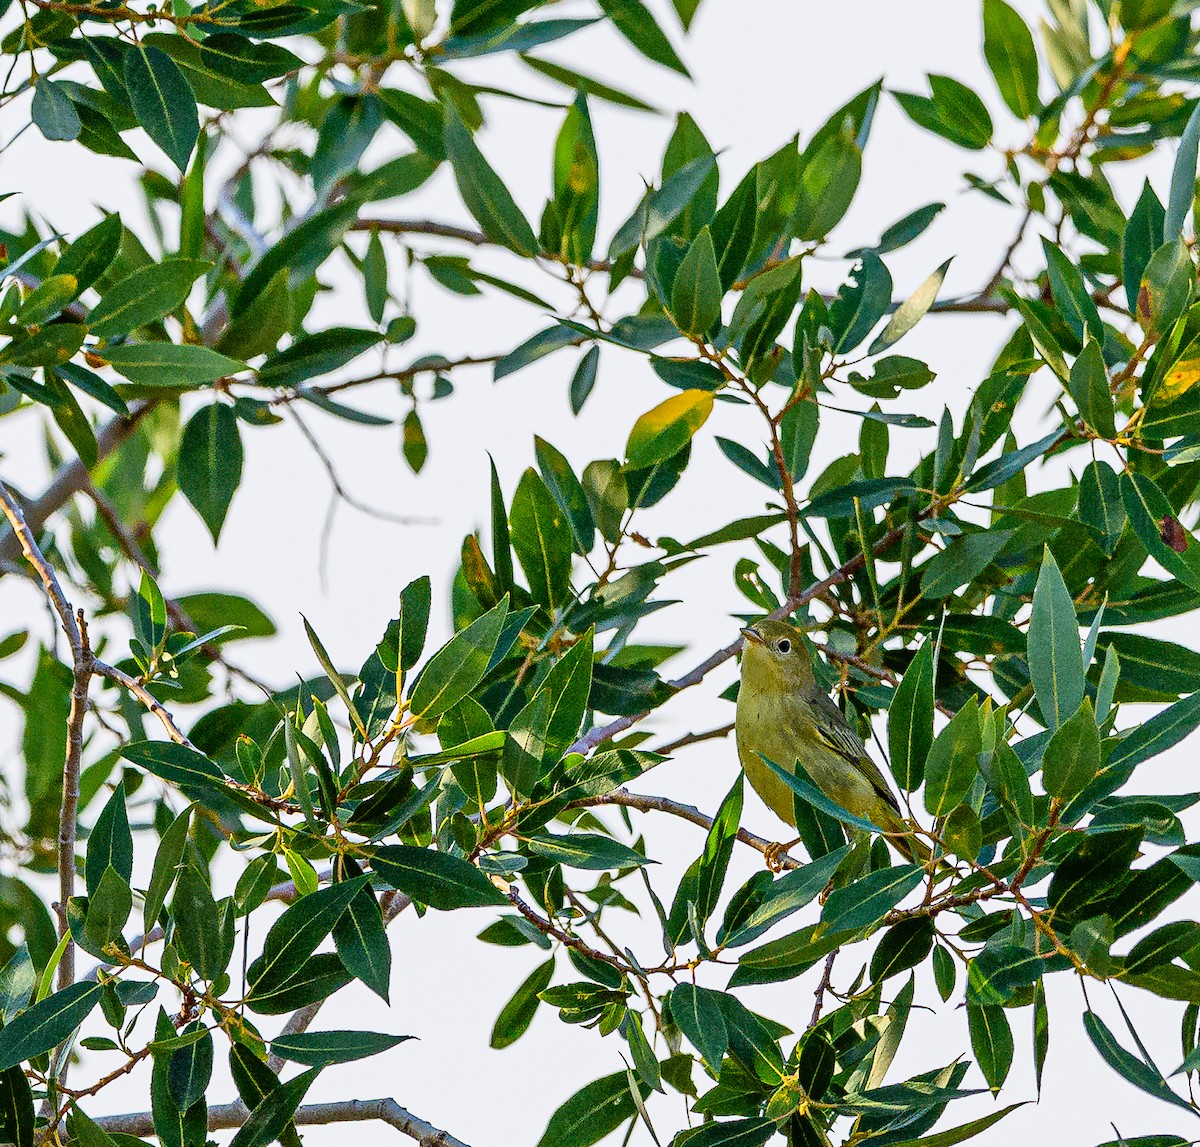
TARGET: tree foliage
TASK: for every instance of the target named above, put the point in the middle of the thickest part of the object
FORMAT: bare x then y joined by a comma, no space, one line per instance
990,602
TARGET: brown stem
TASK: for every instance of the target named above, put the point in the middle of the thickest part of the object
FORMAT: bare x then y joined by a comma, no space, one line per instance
69,809
823,987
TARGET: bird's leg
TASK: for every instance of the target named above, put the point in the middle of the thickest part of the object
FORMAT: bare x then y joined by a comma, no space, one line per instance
776,852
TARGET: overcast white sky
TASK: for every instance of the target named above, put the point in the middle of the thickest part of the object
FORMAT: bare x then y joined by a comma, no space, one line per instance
764,70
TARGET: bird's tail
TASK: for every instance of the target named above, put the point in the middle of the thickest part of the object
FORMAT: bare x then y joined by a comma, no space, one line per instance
906,843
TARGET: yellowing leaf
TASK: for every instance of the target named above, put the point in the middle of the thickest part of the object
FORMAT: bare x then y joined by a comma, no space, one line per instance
1180,378
668,428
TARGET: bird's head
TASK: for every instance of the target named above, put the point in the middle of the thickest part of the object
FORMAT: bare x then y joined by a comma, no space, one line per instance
775,656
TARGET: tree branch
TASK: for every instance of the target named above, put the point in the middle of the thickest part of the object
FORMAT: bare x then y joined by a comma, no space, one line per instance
230,1115
644,802
82,666
103,669
71,478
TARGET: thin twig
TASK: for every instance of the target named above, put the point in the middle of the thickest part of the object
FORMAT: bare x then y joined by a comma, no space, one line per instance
644,802
823,987
103,669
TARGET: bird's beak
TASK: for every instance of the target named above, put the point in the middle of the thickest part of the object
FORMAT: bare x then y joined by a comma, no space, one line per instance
752,635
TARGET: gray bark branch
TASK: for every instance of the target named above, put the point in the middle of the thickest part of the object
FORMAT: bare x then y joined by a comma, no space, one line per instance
230,1115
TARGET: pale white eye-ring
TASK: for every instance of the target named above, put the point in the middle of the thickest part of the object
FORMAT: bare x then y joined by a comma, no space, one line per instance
784,645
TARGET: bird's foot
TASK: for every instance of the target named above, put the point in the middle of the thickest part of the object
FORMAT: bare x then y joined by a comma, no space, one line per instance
776,854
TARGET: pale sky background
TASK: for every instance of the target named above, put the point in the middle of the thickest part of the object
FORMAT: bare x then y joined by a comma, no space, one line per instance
764,70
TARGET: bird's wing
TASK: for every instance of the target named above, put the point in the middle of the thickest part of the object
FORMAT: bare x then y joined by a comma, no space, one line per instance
832,727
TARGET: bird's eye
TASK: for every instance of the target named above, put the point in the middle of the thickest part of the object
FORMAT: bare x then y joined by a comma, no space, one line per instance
784,646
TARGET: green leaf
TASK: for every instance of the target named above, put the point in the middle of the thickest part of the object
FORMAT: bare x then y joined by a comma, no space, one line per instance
868,900
108,910
951,767
586,850
637,24
144,296
1101,507
483,192
362,943
991,1041
1072,757
197,923
1183,179
713,863
435,878
784,896
163,102
91,254
696,291
543,541
697,1013
110,843
911,311
455,669
320,1049
294,937
46,1024
53,111
166,865
1142,237
210,463
584,379
902,946
566,490
190,1068
662,432
752,1132
1011,56
1166,288
313,355
1154,521
516,1015
1089,386
576,185
191,772
1161,947
268,1121
954,112
1055,658
1071,298
170,364
961,562
1134,1070
591,1113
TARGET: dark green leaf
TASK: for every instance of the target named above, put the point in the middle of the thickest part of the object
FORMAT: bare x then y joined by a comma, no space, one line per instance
951,768
543,540
210,463
455,669
866,901
144,296
1055,658
516,1015
163,102
435,878
46,1024
320,1049
1012,57
482,190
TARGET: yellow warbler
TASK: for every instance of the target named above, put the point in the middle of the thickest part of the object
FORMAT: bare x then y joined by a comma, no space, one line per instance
784,714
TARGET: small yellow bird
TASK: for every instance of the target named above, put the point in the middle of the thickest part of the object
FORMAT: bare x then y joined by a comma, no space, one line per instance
784,714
